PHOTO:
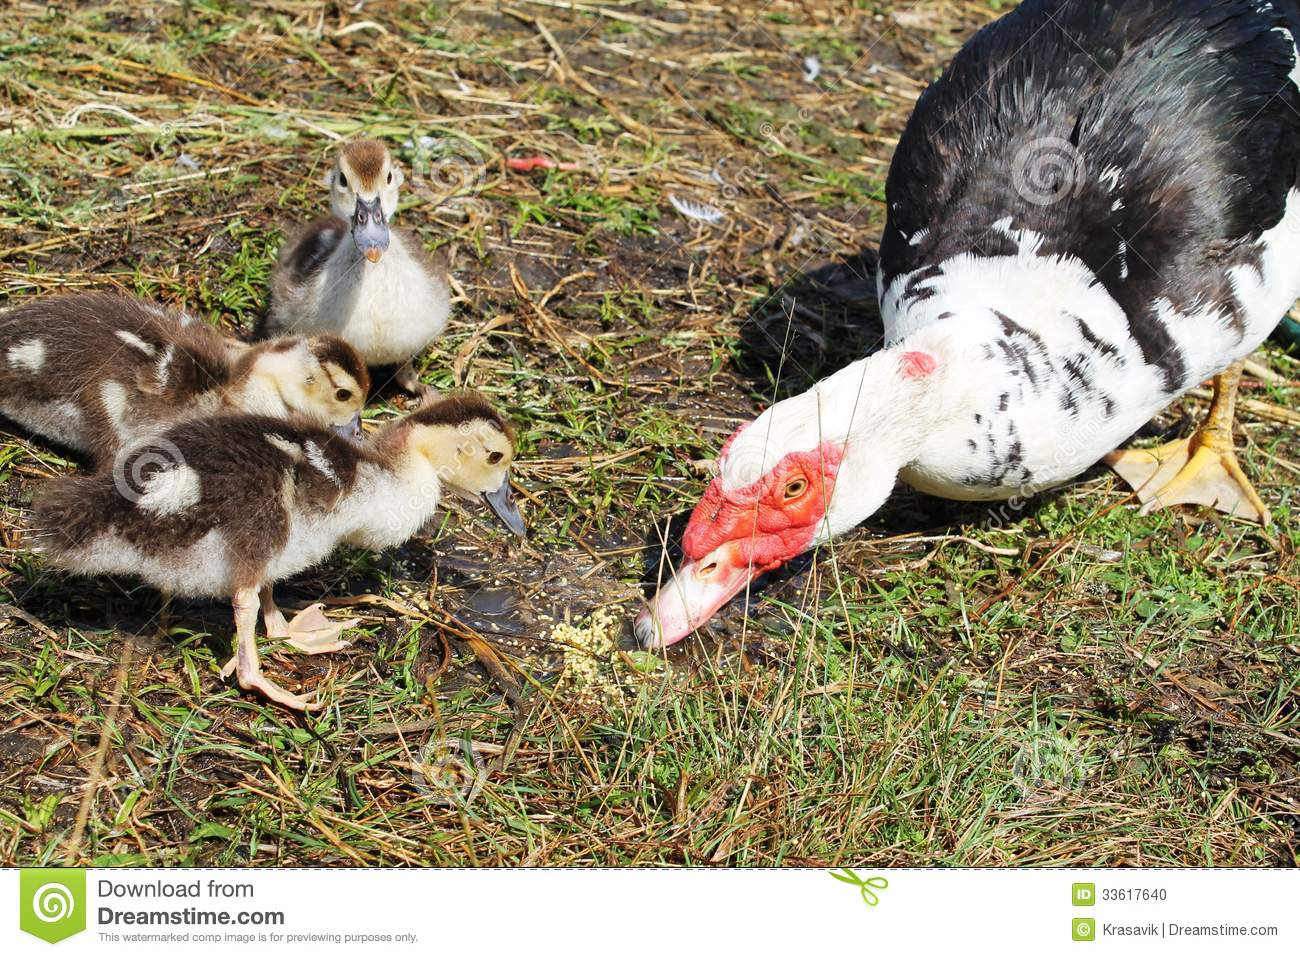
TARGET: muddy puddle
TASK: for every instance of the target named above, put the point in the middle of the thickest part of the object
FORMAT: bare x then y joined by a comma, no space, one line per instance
514,601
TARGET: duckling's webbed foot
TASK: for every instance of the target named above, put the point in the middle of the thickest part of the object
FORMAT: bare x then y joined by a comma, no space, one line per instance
1202,470
314,634
310,631
247,666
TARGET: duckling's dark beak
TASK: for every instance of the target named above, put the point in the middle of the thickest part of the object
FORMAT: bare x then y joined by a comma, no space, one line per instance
505,509
370,229
351,430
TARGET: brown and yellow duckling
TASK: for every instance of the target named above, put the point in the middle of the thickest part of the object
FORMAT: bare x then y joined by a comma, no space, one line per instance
352,274
228,506
98,371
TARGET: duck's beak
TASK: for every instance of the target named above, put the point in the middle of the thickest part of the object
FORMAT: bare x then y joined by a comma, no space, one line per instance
370,229
505,509
695,593
350,430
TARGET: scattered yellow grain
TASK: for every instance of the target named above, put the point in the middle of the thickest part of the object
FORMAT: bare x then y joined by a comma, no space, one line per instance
591,658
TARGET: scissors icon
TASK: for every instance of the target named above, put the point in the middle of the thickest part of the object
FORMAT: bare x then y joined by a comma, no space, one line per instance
864,885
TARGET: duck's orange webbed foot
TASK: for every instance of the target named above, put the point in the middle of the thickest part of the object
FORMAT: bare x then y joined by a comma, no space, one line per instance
1201,470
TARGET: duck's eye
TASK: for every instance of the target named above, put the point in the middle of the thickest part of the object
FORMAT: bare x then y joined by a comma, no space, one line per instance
343,395
495,458
795,489
343,180
390,177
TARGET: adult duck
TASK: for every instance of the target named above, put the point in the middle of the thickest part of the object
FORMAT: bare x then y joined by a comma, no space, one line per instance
1093,210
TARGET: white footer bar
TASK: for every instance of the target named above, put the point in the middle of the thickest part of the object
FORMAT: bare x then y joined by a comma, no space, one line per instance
631,912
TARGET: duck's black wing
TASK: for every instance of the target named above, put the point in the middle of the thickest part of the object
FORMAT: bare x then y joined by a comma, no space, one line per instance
1154,140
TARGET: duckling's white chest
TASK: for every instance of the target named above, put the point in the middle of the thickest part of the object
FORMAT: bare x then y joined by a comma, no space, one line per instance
312,536
388,311
388,506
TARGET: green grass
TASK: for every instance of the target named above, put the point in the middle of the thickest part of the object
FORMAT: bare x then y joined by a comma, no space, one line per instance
1059,683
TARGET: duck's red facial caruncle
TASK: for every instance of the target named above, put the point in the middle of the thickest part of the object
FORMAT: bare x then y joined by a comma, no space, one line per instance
735,535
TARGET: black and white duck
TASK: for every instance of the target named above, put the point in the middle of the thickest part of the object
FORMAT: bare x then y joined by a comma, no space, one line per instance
1093,210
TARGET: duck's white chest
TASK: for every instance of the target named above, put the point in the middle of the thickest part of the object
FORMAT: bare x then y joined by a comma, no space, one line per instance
312,536
388,507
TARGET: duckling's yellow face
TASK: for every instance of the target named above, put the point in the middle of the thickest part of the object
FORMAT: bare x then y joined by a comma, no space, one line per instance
332,396
363,187
472,459
483,458
313,378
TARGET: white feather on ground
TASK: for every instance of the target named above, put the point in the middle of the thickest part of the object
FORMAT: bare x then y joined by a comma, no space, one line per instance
692,209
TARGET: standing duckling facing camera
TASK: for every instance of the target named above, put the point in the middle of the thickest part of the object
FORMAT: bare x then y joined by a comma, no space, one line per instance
353,275
231,505
97,371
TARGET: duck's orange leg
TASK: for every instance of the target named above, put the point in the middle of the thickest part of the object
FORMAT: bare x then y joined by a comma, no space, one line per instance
1201,470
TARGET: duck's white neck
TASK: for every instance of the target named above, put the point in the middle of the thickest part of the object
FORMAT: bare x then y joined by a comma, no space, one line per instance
877,412
258,395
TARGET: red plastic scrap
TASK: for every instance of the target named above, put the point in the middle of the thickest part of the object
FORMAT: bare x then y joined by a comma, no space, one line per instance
526,164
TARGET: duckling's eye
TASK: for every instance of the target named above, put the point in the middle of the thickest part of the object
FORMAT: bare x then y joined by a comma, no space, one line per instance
495,458
343,180
795,489
343,395
390,177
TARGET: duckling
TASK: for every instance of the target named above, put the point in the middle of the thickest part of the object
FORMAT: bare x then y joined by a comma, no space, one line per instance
237,503
353,275
94,371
